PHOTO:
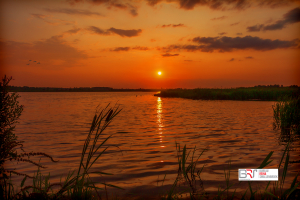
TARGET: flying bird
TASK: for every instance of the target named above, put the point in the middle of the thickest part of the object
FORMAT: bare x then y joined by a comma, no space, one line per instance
27,64
29,60
38,63
34,61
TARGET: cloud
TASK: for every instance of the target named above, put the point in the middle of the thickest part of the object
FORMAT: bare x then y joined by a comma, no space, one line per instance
227,44
127,6
130,48
169,55
39,16
291,17
153,2
224,4
277,26
234,24
239,33
223,33
52,52
249,57
255,28
111,4
125,33
98,31
141,48
121,49
73,31
188,60
172,25
71,11
232,59
219,18
52,21
121,32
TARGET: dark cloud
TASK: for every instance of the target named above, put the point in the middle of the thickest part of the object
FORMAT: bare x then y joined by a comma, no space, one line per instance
121,49
111,4
132,10
232,59
291,17
125,33
130,48
188,60
73,31
71,11
226,44
118,5
275,3
277,26
169,55
224,4
214,4
234,24
121,32
239,33
190,4
255,28
219,18
98,31
249,57
141,48
223,33
127,6
153,2
172,25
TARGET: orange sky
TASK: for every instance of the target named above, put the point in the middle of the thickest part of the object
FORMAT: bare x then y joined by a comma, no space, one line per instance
123,44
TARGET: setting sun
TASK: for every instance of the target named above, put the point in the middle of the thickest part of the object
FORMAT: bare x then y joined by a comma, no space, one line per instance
159,73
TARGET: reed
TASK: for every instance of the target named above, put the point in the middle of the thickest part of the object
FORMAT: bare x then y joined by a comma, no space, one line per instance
242,94
78,184
287,115
276,192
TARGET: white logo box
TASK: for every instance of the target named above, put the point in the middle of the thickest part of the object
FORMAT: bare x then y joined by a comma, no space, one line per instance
258,175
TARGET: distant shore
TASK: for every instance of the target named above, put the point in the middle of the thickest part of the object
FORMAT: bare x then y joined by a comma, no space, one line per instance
243,94
76,89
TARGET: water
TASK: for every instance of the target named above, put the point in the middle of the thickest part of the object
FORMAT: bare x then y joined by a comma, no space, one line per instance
142,150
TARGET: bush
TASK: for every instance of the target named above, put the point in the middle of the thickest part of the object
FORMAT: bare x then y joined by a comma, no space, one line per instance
10,111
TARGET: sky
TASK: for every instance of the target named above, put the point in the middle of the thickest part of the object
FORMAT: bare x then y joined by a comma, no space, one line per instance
125,43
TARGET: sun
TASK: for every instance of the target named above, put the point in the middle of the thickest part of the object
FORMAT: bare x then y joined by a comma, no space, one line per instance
159,73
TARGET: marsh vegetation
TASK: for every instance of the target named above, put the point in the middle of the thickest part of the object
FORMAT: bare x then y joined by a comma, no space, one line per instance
241,94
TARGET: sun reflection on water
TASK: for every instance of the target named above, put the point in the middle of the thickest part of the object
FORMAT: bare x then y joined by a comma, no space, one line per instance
159,121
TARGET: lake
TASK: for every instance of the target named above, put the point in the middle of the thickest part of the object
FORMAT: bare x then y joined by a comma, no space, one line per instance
142,150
